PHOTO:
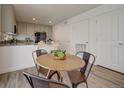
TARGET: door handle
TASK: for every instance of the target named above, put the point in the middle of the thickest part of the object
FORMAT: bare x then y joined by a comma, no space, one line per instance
121,44
86,42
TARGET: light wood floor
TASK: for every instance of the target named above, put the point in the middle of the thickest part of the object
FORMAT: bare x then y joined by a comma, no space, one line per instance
99,78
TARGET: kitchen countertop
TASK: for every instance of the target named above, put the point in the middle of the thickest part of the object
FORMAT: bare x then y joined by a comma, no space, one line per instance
18,44
23,43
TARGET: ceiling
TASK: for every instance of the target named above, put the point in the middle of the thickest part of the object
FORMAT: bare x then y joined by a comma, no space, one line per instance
49,12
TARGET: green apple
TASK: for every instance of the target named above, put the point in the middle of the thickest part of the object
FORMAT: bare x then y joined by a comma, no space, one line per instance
61,54
58,53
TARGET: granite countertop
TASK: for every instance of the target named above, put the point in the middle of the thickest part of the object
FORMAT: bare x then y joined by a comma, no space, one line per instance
17,43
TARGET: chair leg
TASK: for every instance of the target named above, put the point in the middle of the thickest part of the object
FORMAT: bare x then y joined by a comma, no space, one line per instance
50,76
86,84
61,79
38,73
74,85
37,70
58,76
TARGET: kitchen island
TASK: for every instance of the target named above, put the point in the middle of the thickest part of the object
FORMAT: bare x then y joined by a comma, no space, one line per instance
19,56
15,57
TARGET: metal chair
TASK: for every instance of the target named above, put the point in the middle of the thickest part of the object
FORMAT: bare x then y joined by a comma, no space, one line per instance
44,71
40,82
81,76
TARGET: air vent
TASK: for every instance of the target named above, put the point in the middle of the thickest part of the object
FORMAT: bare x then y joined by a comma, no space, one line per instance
80,47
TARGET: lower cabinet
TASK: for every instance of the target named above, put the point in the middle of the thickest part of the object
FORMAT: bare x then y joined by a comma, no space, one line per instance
16,57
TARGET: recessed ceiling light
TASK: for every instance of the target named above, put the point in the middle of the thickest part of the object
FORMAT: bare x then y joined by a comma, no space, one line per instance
50,22
34,19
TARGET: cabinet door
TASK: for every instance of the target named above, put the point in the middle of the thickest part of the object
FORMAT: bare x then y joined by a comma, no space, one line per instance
36,28
110,40
49,31
121,40
0,21
22,28
104,39
42,28
8,18
30,29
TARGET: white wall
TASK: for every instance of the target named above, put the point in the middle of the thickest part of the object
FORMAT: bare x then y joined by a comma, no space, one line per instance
61,35
63,32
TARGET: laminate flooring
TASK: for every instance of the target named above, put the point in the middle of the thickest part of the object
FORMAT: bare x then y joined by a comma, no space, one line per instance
99,78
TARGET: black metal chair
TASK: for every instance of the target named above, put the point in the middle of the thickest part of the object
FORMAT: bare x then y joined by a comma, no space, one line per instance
81,76
40,82
44,71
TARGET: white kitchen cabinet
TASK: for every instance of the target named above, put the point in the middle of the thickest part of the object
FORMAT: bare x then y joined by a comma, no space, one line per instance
18,57
8,18
42,28
0,18
14,58
49,31
36,28
22,28
0,22
30,29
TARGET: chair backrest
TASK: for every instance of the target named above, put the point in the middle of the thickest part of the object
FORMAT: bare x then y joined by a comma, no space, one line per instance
89,61
41,82
38,53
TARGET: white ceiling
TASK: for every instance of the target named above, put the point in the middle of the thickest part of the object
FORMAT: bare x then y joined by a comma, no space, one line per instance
46,12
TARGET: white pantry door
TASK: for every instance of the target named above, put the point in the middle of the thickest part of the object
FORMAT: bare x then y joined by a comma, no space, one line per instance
121,40
103,24
110,40
79,34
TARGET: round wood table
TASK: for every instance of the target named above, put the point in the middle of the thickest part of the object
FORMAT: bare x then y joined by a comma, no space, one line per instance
71,62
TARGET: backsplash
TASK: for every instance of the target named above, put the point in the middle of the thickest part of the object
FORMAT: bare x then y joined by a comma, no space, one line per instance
23,37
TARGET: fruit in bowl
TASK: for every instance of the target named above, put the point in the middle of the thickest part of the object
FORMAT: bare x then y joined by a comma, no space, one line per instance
58,54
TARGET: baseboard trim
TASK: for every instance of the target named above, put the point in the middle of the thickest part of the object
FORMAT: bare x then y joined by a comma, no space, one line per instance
111,69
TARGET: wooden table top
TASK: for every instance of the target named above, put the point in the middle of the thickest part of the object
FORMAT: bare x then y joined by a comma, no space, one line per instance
71,62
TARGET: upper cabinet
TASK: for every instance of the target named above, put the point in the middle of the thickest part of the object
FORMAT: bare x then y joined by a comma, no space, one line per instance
0,22
7,18
0,19
22,28
36,28
30,29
